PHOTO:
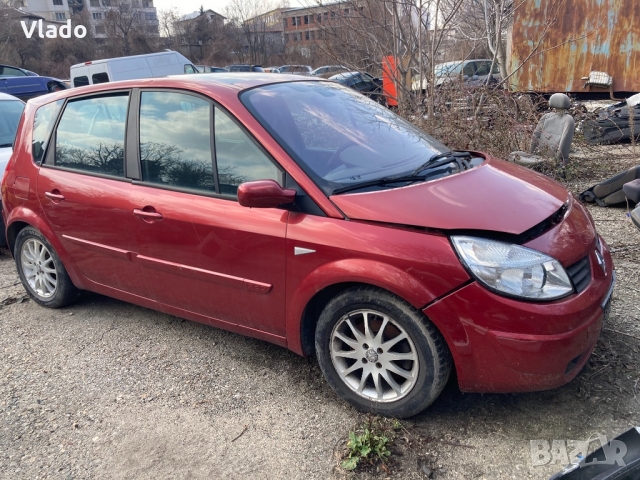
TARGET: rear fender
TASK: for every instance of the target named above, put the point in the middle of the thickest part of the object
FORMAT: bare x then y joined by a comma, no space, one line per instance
21,214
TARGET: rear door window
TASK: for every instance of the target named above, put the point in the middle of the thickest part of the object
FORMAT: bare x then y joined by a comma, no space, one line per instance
81,81
11,72
90,135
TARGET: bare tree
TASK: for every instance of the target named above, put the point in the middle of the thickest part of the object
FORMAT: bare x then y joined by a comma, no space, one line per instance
126,25
252,29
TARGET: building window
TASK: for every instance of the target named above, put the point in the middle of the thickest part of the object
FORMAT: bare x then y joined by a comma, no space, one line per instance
333,14
326,16
106,3
293,21
147,4
149,16
346,11
306,19
60,16
306,35
299,20
319,18
97,15
95,3
313,35
57,2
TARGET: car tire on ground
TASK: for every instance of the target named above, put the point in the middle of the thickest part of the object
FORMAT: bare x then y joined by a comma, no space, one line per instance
380,354
42,274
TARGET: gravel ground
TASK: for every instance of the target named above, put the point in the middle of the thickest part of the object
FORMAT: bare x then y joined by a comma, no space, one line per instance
105,389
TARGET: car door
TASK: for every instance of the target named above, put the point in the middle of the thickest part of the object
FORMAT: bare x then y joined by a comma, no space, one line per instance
203,252
83,189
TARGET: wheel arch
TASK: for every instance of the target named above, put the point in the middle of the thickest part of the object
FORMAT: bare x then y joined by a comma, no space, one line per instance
21,218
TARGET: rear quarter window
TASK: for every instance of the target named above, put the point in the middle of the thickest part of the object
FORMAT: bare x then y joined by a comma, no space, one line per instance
43,124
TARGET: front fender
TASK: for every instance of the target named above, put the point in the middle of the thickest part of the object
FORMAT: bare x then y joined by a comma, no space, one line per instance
358,270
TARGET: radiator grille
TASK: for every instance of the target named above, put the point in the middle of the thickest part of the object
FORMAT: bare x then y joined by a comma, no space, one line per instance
580,274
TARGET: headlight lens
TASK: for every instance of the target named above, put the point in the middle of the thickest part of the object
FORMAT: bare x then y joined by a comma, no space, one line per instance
512,269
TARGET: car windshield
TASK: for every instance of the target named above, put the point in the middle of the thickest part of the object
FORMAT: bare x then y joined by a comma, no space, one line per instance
338,136
10,112
449,68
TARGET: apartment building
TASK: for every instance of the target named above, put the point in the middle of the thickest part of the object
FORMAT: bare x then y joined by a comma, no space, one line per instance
303,26
62,10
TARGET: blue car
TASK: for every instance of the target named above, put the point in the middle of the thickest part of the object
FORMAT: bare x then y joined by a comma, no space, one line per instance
24,84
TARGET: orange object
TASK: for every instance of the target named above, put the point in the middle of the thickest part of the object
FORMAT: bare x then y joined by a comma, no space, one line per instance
389,72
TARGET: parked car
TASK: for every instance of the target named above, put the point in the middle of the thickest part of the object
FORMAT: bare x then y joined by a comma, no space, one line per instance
472,73
295,69
245,68
25,84
11,71
210,69
10,111
272,70
328,70
361,82
126,68
318,220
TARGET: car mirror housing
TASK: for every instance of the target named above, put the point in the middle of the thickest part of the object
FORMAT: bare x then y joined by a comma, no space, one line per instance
264,194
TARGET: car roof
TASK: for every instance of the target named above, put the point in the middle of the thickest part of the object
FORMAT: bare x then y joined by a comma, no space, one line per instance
211,83
343,75
6,96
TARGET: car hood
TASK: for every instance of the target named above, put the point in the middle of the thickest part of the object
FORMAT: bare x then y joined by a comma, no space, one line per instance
494,196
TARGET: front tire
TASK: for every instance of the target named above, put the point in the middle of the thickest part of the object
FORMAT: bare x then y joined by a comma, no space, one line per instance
380,354
42,274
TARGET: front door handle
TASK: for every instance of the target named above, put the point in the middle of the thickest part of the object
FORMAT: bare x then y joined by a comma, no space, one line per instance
55,196
148,214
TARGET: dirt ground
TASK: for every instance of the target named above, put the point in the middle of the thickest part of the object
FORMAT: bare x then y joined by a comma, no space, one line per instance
109,390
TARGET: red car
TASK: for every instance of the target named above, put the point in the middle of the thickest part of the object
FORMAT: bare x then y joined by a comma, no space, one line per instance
302,213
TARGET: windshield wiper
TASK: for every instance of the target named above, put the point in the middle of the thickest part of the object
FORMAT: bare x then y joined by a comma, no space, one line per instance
378,182
441,159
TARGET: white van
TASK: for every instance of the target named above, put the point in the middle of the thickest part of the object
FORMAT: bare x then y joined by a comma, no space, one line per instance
127,68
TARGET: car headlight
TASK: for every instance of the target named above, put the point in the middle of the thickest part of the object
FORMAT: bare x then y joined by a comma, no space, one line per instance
512,269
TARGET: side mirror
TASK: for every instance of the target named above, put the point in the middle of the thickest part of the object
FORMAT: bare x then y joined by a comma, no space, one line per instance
465,77
264,194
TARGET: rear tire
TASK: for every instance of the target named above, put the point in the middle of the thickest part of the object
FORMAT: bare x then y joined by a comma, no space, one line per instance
380,354
41,271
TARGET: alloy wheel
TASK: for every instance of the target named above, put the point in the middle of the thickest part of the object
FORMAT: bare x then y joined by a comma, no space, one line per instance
374,356
38,268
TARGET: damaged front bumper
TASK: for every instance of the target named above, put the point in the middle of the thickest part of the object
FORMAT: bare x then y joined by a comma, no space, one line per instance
510,345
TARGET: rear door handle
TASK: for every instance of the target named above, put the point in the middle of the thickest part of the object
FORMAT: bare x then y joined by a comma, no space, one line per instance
147,216
55,196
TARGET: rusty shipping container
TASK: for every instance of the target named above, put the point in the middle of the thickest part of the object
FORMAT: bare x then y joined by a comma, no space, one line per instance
581,36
